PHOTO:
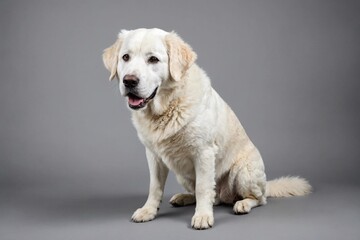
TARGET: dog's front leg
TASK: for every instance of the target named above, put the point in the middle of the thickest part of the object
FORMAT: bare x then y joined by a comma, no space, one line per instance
158,175
204,190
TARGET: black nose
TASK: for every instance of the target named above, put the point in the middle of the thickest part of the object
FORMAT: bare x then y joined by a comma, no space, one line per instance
130,81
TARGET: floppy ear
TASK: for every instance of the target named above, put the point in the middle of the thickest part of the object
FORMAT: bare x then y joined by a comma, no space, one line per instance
181,56
110,58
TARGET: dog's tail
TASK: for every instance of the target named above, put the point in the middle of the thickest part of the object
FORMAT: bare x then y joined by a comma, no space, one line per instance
287,187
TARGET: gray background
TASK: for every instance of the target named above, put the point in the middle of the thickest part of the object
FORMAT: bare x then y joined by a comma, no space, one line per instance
71,166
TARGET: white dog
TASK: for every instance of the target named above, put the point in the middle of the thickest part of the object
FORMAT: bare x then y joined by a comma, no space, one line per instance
187,127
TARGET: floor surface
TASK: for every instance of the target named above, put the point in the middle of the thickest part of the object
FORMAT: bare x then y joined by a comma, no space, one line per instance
331,212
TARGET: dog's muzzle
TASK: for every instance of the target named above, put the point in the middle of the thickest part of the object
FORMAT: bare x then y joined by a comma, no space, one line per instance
136,102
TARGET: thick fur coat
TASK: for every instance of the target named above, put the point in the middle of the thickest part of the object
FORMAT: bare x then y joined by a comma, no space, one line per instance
186,127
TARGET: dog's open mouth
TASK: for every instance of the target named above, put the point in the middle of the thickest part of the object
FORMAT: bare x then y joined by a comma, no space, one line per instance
136,102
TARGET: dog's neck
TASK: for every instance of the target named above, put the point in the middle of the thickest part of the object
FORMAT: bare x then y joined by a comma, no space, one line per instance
166,106
161,125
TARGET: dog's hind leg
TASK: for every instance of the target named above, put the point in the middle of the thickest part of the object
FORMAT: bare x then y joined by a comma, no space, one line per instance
184,199
249,183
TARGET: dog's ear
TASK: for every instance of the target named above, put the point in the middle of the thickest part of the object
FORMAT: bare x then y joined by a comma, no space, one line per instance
181,56
111,54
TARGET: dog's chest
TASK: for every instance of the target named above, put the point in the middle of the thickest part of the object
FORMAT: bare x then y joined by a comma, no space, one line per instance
176,151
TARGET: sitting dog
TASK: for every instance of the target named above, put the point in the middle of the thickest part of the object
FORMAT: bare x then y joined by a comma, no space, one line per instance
187,127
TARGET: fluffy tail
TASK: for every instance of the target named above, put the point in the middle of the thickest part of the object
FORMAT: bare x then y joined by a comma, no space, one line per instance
287,187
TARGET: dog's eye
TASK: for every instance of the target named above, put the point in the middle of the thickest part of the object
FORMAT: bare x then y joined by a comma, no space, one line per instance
126,57
153,59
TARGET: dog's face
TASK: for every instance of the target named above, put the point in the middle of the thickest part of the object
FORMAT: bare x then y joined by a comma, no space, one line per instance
143,60
142,66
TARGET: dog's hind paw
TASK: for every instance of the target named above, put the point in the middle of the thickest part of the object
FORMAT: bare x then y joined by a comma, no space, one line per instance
182,199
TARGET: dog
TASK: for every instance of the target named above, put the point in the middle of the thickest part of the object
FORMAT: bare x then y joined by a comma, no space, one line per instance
187,127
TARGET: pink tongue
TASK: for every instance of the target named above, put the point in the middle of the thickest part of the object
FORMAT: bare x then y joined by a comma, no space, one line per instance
135,101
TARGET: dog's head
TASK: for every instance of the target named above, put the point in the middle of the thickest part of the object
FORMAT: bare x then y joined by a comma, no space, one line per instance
144,61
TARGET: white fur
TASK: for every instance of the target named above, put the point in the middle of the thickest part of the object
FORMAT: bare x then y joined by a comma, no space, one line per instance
188,129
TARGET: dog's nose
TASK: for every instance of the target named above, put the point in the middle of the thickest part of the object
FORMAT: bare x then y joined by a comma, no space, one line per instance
130,81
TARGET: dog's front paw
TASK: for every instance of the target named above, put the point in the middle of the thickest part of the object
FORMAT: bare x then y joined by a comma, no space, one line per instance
144,214
202,221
